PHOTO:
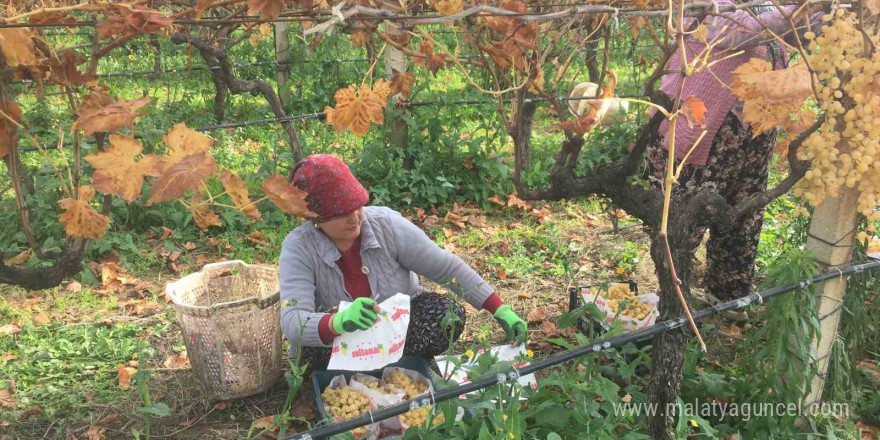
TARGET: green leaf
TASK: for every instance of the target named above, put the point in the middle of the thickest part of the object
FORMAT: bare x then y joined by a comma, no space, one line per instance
553,436
157,409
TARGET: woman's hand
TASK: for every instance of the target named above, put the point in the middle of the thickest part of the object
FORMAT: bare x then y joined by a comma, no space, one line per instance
514,326
358,316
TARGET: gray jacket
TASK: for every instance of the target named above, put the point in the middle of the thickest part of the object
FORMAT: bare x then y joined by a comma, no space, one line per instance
393,251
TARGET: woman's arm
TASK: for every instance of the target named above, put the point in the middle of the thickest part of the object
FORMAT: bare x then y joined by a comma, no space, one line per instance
299,322
418,253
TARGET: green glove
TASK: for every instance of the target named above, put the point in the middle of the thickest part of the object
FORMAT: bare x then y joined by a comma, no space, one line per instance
358,316
514,326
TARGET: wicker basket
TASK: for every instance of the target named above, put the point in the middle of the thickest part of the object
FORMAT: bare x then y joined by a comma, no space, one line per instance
229,315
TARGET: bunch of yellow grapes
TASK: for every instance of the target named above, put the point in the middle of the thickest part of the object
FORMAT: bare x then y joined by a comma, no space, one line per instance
619,297
846,149
419,416
345,403
407,384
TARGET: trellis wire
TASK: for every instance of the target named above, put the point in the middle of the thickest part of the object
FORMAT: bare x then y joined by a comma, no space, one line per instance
322,115
614,342
693,9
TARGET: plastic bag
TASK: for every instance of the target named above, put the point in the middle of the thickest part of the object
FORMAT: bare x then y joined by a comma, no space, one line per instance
369,432
379,392
377,346
414,385
504,353
650,299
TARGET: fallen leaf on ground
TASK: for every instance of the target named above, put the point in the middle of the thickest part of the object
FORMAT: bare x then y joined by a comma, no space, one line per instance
513,200
257,238
305,410
125,376
166,232
524,295
186,423
731,330
6,400
549,329
74,286
265,423
95,433
41,319
8,357
497,200
219,406
502,274
176,361
537,314
109,419
139,307
189,245
9,329
32,411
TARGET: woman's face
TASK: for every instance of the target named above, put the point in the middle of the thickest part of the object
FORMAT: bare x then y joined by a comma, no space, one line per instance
344,227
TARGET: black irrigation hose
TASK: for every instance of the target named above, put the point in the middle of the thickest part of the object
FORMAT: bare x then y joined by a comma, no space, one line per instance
613,342
322,115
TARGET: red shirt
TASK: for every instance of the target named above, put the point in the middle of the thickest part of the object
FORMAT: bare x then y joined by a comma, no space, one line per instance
357,285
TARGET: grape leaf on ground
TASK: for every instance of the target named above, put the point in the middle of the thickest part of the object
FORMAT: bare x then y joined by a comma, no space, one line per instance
6,400
111,117
95,433
355,109
265,423
238,192
19,259
9,329
187,174
17,45
124,376
116,171
537,314
176,361
287,197
80,219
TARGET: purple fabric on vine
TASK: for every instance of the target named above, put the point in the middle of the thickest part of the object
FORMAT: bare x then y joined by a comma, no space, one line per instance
736,31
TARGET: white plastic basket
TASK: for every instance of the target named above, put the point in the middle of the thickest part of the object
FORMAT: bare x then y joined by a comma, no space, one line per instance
229,315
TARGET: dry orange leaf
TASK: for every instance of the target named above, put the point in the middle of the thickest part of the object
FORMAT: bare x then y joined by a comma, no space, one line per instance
176,361
497,200
287,197
873,6
95,433
236,189
502,274
187,174
257,238
356,109
402,82
110,117
80,219
541,214
204,215
116,171
769,96
505,25
265,423
701,33
124,374
360,38
63,69
109,419
19,259
433,62
513,200
6,400
18,47
694,111
537,314
94,100
8,130
183,141
5,357
41,319
266,9
447,7
219,406
32,411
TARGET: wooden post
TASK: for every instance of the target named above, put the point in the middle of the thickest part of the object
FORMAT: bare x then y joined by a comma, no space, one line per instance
395,61
282,58
832,237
